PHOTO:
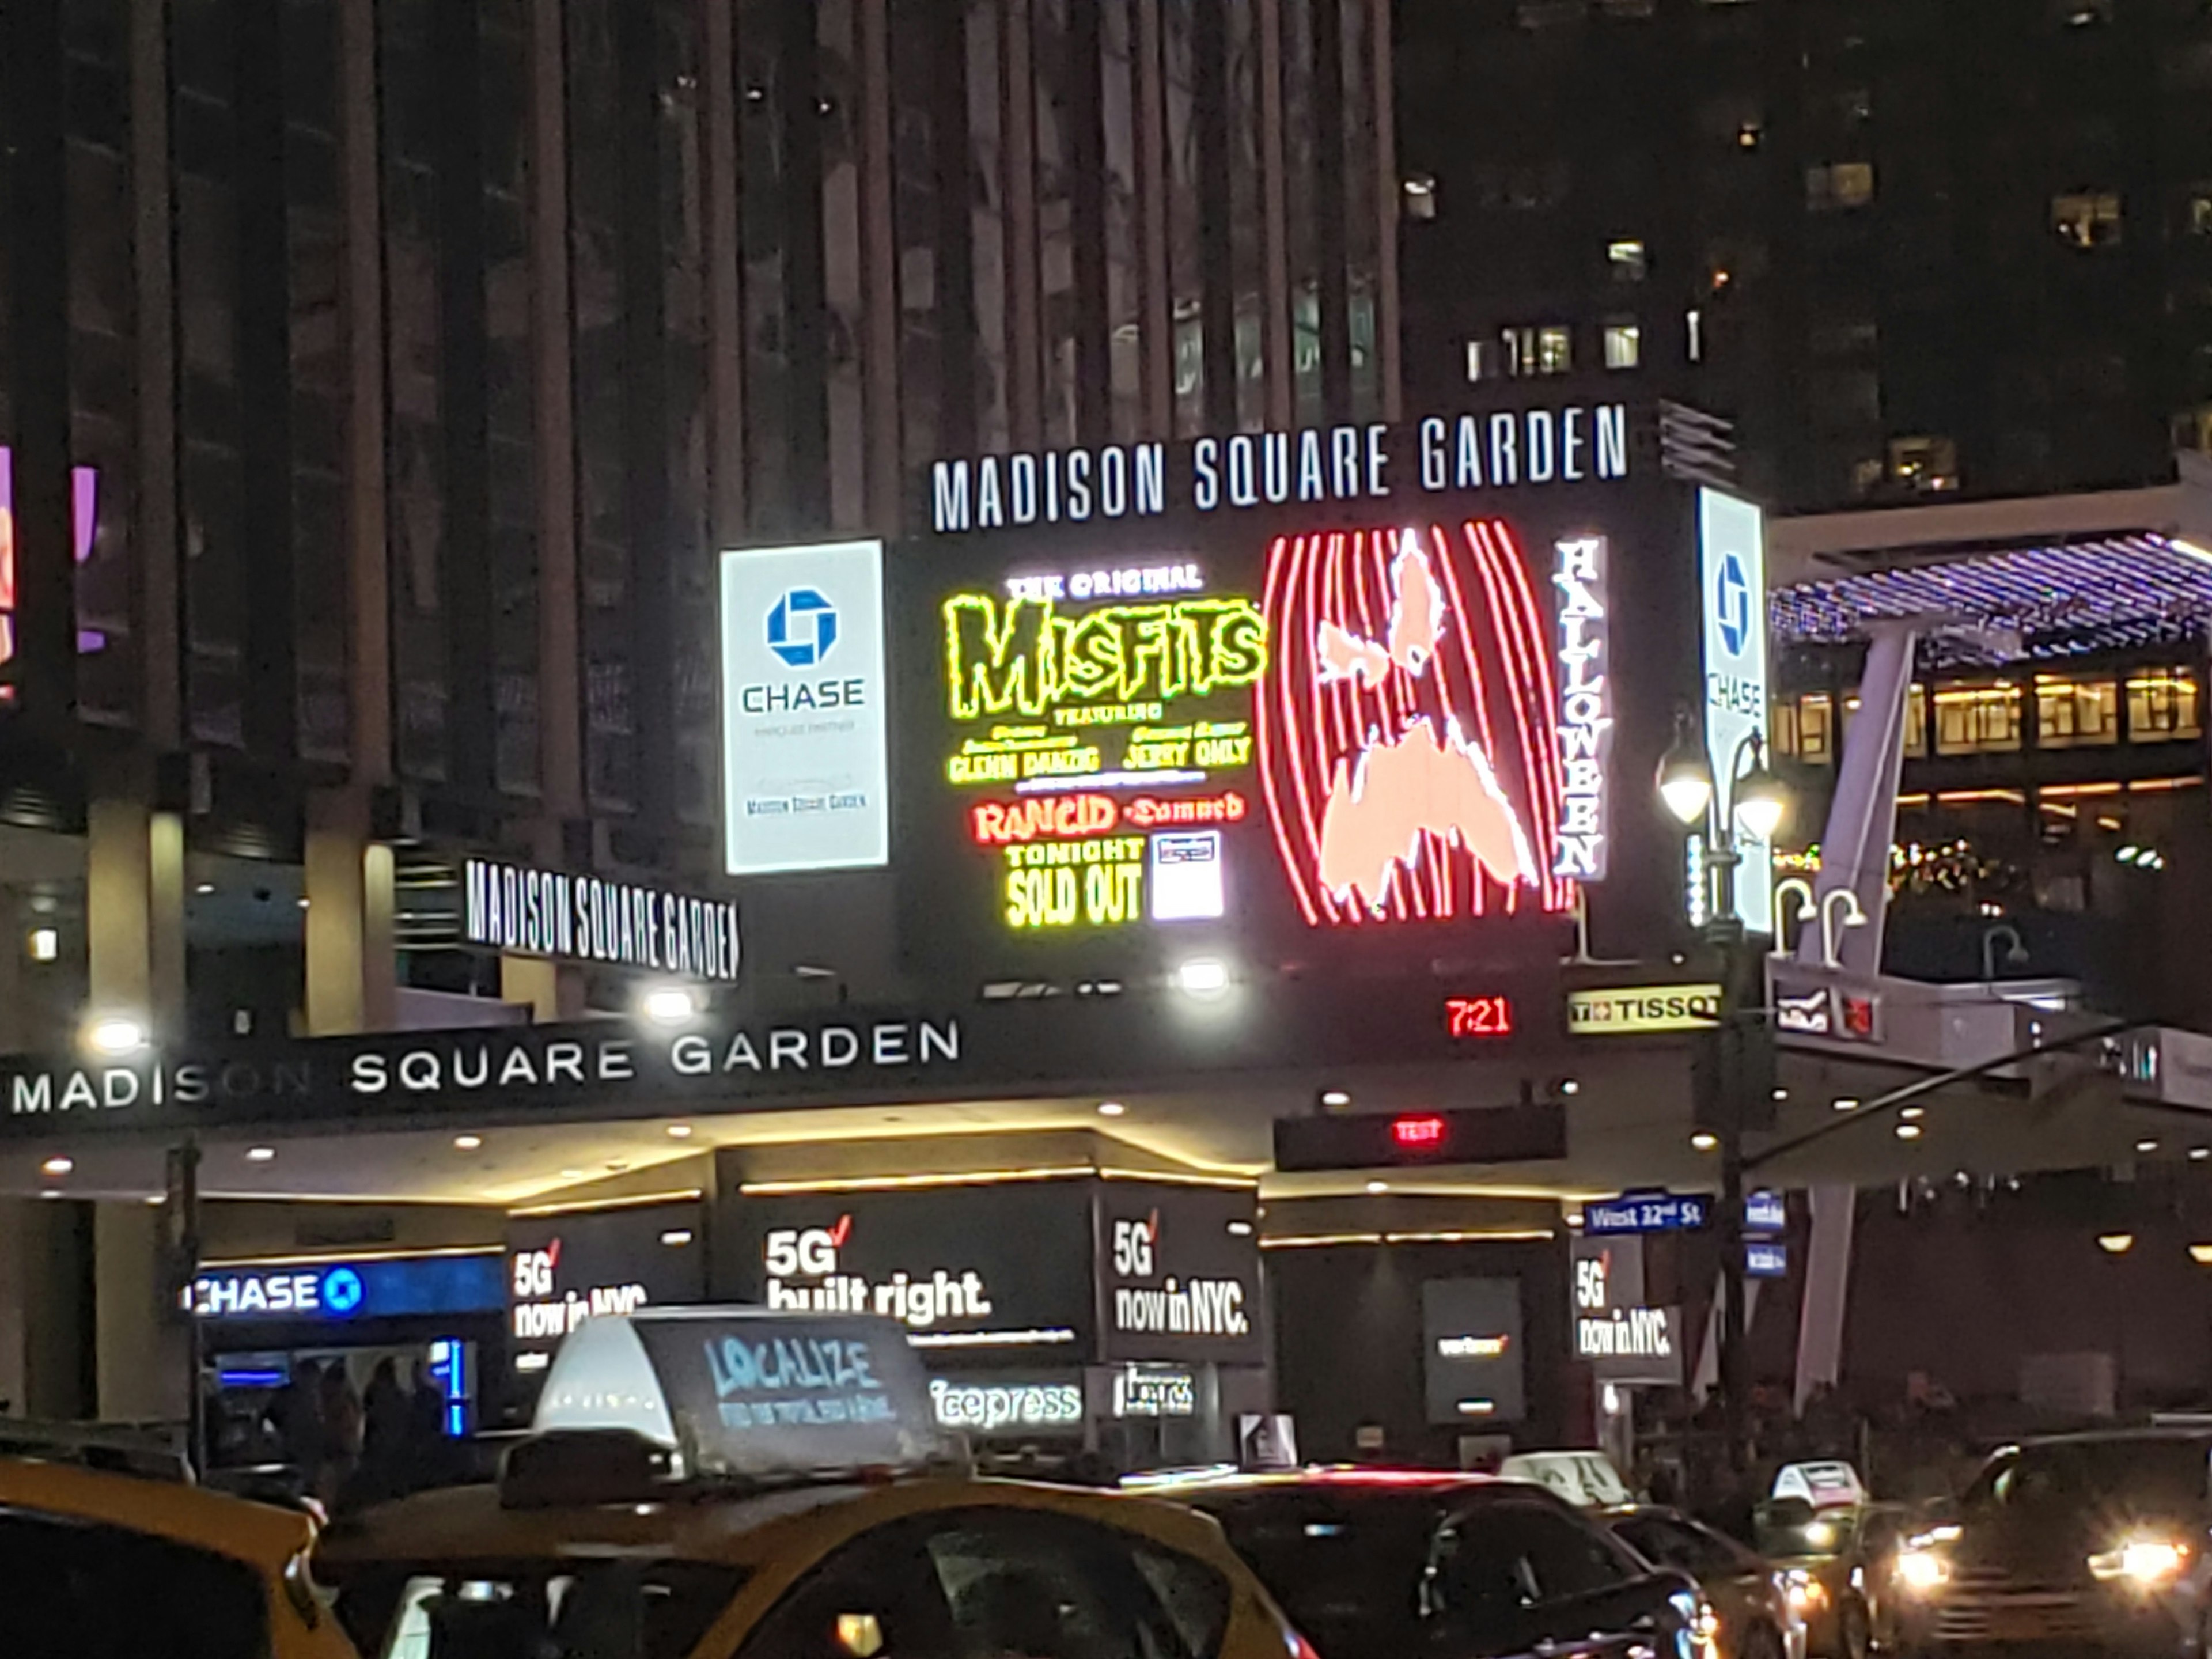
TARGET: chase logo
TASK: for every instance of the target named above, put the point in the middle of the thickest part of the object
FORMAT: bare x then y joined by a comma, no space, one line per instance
802,627
342,1291
1732,604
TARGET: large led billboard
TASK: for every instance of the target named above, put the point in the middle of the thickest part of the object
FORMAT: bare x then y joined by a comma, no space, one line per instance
1313,723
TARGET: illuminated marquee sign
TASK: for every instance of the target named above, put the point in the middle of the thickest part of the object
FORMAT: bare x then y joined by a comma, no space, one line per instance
1585,707
550,913
1505,450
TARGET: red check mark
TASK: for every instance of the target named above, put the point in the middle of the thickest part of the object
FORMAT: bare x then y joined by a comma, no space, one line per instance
841,1232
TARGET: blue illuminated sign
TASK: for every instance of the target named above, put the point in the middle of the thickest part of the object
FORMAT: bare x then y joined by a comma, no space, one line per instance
1647,1212
1764,1211
328,1291
1765,1261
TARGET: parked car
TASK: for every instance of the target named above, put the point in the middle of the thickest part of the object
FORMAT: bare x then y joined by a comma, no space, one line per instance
1382,1564
109,1555
1754,1612
2096,1542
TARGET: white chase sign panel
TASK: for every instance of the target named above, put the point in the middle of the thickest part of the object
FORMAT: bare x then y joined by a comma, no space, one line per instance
806,755
1732,602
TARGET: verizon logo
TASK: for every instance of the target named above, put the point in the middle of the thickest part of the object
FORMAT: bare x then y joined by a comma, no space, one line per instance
1198,1307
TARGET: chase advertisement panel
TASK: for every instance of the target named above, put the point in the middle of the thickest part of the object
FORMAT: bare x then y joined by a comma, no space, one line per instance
805,707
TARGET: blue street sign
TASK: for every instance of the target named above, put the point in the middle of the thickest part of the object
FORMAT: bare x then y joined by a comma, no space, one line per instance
1764,1212
1765,1261
1647,1212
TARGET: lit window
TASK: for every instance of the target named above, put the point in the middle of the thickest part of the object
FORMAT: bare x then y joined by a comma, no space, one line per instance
1816,728
1916,721
1626,260
2196,212
1838,185
1421,196
1545,350
1693,327
1623,345
1925,464
1750,133
1972,720
2087,221
2162,705
2074,714
1482,361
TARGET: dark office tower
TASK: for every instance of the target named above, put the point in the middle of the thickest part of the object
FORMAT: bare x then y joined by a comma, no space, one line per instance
1913,248
379,379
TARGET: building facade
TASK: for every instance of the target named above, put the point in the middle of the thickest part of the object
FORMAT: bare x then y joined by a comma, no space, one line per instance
1913,250
381,378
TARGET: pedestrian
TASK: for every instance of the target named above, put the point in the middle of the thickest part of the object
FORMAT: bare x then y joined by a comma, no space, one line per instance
384,1407
341,1433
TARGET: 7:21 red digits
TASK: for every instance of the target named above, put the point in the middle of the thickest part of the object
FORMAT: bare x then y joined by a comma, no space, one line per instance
1479,1016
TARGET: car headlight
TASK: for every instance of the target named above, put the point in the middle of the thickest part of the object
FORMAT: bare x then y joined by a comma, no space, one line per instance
1921,1570
1807,1594
1821,1535
2142,1561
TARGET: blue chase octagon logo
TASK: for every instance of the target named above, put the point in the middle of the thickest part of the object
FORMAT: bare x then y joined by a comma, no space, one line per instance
343,1290
802,627
1732,604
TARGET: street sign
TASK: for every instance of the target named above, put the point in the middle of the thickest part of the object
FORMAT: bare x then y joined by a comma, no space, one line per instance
1764,1259
1647,1212
1764,1211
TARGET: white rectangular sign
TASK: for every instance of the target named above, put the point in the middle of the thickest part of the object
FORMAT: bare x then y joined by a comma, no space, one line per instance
1732,602
805,766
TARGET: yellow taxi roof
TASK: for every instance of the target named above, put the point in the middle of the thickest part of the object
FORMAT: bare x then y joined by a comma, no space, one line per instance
260,1533
467,1524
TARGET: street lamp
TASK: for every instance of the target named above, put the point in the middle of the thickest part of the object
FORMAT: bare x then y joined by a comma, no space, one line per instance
1749,803
1753,797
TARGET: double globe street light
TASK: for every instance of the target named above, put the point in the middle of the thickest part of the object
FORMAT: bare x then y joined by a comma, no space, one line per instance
1749,807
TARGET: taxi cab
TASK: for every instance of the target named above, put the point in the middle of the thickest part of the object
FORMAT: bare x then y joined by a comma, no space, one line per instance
735,1484
104,1556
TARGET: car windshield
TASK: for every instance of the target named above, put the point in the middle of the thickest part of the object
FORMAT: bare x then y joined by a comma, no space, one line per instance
1336,1561
570,1610
2072,1476
1696,1551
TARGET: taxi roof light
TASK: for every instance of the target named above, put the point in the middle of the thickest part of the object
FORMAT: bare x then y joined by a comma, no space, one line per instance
727,1398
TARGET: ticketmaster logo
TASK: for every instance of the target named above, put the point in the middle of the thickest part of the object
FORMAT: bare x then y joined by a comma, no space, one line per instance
1199,1307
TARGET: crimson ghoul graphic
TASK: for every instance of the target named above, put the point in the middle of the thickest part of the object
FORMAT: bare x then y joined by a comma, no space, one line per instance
1407,726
